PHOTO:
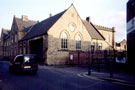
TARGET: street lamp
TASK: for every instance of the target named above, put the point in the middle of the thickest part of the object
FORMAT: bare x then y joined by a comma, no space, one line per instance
89,66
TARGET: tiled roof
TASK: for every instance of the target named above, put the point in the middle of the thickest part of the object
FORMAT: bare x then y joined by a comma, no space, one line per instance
94,33
42,27
24,24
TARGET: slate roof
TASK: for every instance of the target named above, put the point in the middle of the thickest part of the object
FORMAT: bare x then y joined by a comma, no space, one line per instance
42,27
24,24
94,33
5,32
7,36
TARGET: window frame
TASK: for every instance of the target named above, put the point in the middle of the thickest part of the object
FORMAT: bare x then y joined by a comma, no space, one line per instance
64,41
93,48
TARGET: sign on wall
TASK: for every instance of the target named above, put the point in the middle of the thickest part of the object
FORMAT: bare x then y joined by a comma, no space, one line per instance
71,57
131,25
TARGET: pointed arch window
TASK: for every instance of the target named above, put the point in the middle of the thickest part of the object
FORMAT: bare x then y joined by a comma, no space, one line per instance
78,42
64,40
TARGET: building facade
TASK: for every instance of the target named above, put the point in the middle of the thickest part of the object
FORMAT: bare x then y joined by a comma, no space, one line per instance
60,39
108,33
11,39
3,43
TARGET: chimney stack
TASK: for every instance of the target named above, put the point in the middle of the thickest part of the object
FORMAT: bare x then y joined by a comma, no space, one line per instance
50,15
113,28
24,18
88,19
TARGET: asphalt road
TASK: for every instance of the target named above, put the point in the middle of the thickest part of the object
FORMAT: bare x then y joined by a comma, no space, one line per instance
50,78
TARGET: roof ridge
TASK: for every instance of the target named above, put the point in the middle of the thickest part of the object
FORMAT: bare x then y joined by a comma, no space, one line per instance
102,26
43,26
25,21
97,30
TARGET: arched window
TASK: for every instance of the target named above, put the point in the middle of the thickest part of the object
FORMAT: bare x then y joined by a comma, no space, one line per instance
64,40
78,42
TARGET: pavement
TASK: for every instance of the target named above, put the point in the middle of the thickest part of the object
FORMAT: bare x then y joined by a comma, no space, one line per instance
118,77
106,77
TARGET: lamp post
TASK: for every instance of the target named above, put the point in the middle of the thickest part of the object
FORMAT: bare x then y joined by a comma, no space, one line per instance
111,63
89,66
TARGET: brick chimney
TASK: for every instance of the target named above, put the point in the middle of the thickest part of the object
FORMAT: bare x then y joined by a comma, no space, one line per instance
24,18
88,19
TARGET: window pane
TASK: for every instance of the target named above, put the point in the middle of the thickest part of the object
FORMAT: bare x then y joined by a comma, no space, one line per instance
78,45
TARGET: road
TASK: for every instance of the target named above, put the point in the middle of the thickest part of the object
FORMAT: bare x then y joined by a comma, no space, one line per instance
51,78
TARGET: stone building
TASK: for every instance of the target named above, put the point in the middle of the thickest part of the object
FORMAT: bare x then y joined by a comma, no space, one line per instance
11,39
108,33
4,34
59,38
122,46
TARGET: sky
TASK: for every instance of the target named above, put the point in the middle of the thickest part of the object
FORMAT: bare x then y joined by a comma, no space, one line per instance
108,13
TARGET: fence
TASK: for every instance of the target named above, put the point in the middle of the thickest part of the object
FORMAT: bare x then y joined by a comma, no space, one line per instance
99,59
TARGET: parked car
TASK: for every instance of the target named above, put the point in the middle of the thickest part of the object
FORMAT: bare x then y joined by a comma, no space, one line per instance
24,63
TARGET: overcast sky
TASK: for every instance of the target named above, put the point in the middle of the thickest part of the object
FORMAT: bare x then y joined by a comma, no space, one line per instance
108,13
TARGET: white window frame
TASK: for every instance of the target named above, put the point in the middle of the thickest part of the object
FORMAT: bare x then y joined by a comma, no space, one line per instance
64,41
78,42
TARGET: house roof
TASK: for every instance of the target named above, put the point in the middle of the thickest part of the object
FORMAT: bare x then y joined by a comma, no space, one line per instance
123,41
94,33
24,24
5,32
7,36
42,27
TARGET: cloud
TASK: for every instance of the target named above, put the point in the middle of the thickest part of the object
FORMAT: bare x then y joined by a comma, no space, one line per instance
115,19
118,20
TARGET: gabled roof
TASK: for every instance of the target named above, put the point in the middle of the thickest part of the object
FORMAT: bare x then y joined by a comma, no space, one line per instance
123,41
94,33
24,24
42,27
7,36
5,32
